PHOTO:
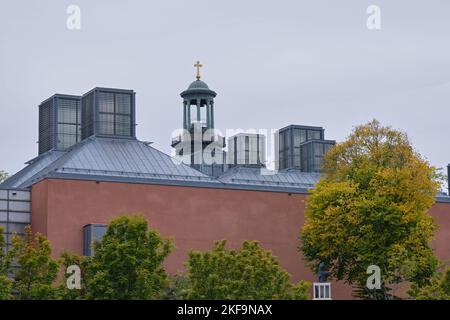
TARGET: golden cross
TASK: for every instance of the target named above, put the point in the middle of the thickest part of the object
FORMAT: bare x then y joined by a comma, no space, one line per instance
198,66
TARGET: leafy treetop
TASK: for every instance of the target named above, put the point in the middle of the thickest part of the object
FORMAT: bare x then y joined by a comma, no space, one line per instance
371,208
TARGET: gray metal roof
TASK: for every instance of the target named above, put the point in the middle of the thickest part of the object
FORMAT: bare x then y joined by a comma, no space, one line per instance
263,177
19,180
124,157
130,160
108,157
443,198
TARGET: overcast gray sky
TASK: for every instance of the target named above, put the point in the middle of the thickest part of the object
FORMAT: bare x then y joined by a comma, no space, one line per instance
273,63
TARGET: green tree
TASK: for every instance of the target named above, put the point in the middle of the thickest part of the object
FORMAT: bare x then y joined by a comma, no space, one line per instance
38,271
437,289
178,288
247,273
68,259
370,207
5,287
3,176
127,263
5,268
300,291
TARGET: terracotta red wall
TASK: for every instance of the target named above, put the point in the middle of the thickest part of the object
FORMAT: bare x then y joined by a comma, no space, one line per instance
194,217
39,203
441,215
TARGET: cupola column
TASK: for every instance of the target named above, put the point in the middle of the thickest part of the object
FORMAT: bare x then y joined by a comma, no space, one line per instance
208,114
189,114
199,101
211,106
185,115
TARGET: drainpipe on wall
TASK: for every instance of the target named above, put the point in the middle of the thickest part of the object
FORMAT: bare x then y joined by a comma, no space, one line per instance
448,178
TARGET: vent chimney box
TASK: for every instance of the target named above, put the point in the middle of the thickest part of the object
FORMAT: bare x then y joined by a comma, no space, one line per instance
59,122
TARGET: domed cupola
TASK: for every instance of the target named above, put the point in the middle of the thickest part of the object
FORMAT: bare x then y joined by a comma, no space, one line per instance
199,140
198,103
198,87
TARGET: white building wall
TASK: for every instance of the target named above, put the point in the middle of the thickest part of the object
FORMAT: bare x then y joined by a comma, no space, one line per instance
15,212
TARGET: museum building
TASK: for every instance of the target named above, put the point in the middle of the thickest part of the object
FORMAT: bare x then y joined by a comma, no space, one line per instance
91,167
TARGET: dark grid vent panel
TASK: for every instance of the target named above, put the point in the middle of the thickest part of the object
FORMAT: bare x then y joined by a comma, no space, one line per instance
46,127
87,128
115,114
312,155
68,123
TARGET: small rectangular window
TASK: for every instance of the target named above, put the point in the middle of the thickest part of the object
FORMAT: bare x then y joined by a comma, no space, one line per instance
91,234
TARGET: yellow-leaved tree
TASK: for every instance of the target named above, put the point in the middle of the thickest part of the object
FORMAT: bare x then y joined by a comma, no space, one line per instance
3,176
370,207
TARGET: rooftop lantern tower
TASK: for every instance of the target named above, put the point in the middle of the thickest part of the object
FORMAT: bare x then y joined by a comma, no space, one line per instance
198,124
198,103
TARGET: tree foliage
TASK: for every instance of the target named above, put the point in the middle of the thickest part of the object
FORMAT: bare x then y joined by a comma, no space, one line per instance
371,208
247,273
5,287
38,271
127,264
5,268
437,289
178,288
3,176
69,259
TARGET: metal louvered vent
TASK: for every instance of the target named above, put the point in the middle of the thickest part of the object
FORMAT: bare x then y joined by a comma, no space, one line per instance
87,114
46,128
108,112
